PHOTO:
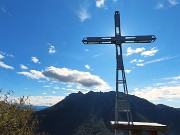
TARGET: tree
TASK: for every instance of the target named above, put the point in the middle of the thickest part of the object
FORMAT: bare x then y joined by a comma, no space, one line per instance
16,117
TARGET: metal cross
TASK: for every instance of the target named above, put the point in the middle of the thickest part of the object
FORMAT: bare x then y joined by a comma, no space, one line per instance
122,102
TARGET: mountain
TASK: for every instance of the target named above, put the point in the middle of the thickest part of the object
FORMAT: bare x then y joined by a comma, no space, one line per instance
38,108
91,113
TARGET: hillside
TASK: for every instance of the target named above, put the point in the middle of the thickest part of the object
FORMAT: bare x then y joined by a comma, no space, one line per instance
91,113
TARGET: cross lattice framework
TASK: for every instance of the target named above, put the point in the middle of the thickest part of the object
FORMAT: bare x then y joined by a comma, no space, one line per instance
121,101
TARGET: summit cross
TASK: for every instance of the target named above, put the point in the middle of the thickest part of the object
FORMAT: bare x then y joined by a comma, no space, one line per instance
122,104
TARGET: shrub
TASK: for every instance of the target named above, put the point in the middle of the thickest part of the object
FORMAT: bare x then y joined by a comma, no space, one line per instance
16,117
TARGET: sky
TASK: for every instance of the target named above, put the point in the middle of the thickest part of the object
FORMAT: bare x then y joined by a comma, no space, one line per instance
42,54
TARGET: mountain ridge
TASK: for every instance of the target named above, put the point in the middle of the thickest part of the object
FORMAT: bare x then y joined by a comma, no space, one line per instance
79,113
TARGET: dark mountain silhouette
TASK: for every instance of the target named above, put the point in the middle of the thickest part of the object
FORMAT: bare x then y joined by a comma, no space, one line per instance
91,113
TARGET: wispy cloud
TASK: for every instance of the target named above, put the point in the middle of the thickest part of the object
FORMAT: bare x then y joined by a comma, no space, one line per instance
131,51
88,67
46,86
165,83
5,11
172,78
154,61
6,54
158,60
176,77
165,4
33,74
96,55
136,60
100,3
3,65
23,66
160,5
35,60
173,2
83,13
1,56
149,52
51,49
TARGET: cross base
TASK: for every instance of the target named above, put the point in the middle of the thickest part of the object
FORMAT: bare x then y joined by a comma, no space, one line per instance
137,128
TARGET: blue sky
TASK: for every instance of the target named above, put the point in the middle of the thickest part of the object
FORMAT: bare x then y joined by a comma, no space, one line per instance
41,53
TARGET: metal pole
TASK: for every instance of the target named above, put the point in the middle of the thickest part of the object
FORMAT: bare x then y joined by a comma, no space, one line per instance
117,91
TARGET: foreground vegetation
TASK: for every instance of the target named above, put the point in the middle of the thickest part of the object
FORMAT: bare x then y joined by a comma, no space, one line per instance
16,117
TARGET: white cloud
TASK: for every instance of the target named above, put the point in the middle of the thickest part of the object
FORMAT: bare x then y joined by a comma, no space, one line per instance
171,100
3,65
176,78
172,78
46,86
173,2
23,66
156,93
6,54
69,77
45,100
136,61
149,52
33,74
127,71
1,56
100,3
52,49
53,92
140,64
44,93
35,60
88,67
42,81
85,79
130,51
166,90
83,13
165,83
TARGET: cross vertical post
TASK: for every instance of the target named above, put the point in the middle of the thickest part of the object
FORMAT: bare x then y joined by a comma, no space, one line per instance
121,101
122,104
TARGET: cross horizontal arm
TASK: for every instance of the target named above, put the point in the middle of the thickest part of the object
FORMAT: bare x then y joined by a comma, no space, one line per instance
119,39
98,40
138,39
